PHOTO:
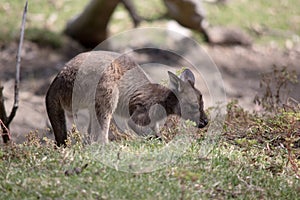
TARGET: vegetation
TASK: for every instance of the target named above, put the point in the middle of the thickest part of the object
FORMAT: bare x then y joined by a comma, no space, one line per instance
256,157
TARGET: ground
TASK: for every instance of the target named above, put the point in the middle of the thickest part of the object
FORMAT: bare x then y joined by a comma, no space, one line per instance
240,68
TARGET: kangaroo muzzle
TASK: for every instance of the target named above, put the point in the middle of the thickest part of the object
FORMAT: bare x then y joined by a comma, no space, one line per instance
203,123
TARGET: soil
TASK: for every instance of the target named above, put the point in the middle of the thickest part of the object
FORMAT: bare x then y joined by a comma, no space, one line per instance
240,68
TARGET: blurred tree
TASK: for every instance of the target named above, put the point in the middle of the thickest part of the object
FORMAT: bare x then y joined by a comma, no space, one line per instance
188,13
191,14
90,27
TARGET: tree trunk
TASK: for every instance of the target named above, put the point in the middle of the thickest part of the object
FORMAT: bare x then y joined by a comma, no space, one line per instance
136,19
188,13
90,27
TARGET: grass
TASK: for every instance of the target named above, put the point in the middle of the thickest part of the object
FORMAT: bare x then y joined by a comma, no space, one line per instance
42,17
267,22
256,157
241,170
270,19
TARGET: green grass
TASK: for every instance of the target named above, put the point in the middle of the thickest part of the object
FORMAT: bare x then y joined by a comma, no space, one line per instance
256,157
31,172
280,18
47,16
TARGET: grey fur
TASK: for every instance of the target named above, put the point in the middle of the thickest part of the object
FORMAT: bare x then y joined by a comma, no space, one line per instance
110,84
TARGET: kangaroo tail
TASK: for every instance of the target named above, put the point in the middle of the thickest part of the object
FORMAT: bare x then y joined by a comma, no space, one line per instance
56,114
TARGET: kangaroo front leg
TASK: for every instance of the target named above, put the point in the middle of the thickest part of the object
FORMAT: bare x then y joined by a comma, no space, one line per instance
145,122
139,129
139,121
151,129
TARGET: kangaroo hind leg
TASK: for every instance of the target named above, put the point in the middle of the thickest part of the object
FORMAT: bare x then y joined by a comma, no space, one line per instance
105,104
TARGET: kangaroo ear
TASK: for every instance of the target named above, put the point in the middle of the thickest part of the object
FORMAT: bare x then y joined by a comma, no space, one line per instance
188,76
175,82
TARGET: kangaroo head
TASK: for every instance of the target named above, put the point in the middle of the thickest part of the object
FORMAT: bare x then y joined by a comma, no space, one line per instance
190,98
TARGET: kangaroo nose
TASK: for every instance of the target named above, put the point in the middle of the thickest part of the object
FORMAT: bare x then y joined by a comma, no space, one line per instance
203,123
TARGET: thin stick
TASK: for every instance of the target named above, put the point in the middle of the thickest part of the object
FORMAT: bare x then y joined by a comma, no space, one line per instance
4,127
17,80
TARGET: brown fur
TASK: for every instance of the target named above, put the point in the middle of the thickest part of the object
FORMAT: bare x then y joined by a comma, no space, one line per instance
122,89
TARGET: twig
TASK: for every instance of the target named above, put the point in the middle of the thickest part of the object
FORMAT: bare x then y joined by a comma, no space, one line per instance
4,127
17,80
